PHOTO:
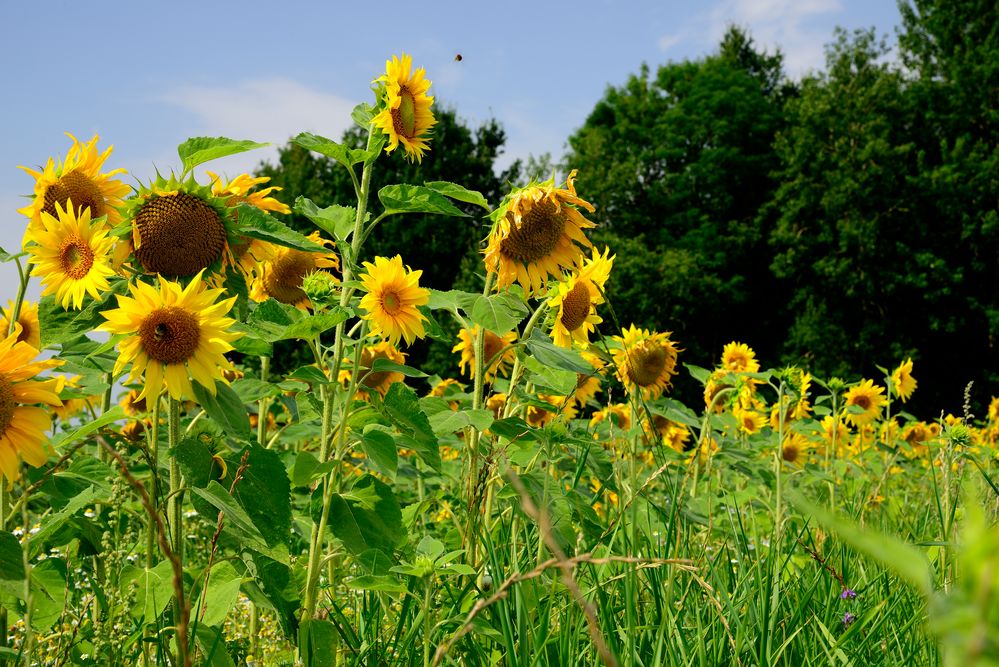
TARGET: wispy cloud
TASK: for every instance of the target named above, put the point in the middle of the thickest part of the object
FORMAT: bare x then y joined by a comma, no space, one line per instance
271,110
787,24
667,42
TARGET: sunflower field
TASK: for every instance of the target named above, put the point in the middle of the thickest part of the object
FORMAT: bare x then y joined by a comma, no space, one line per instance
177,493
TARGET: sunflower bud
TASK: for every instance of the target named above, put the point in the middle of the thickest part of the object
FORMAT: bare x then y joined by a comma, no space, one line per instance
319,286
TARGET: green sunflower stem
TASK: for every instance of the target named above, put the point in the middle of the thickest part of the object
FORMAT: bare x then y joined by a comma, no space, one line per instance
4,499
24,274
518,368
175,515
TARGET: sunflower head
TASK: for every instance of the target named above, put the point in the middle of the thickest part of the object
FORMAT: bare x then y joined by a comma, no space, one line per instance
739,358
497,353
646,361
281,276
548,407
392,300
406,117
903,384
795,449
868,398
748,421
618,414
23,425
537,233
79,178
73,256
575,299
173,334
27,319
179,228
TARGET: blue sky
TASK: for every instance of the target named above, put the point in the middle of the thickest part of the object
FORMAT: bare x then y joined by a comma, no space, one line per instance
145,76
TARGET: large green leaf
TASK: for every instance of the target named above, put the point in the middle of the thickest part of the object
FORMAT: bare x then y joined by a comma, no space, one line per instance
402,407
211,641
367,517
317,640
275,586
272,321
154,589
11,565
450,421
58,326
452,300
498,313
455,191
264,492
542,348
256,224
380,449
69,437
416,199
342,154
335,220
198,150
225,408
223,589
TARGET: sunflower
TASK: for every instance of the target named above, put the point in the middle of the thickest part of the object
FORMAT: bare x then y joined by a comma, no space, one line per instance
739,358
393,294
795,449
646,361
23,426
548,407
73,256
674,435
868,398
77,402
835,428
280,277
903,384
174,334
407,117
78,178
132,404
29,331
537,234
496,403
180,228
379,381
749,421
493,345
576,298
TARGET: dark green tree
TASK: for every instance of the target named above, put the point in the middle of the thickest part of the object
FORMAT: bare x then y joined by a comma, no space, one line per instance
678,165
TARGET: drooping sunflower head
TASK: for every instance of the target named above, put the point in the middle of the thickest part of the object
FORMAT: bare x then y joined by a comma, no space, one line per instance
241,190
537,233
73,256
739,358
673,434
179,228
379,381
392,300
868,398
173,334
646,361
903,384
588,384
79,178
497,355
280,277
27,319
406,118
574,301
23,425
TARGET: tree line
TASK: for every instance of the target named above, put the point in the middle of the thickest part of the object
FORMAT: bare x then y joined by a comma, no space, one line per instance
839,221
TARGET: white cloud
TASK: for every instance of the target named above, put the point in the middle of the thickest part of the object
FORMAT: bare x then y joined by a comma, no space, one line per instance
786,24
267,110
667,42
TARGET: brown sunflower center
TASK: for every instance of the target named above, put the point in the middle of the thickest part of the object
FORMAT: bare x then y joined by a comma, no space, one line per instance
646,362
179,235
790,452
80,189
378,378
538,234
862,401
170,335
748,423
7,404
26,330
76,257
404,118
575,307
284,280
492,346
391,303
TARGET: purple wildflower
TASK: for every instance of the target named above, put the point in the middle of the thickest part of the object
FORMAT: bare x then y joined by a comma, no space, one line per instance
848,594
848,618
